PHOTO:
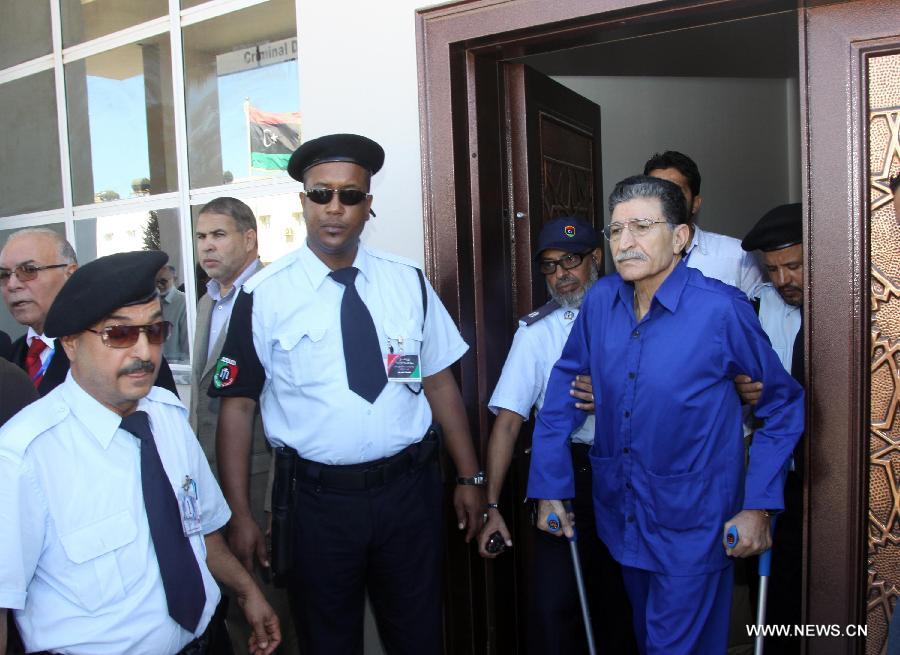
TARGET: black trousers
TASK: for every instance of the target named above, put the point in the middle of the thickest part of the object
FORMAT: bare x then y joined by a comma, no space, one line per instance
555,624
388,541
785,581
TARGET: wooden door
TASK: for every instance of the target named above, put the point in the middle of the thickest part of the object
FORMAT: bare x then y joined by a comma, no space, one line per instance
552,150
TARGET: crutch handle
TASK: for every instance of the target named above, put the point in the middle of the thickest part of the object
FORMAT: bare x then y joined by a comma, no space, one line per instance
765,560
732,537
555,525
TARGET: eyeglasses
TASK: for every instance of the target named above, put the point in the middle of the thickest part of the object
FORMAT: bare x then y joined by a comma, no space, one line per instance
568,262
637,226
125,336
347,197
25,272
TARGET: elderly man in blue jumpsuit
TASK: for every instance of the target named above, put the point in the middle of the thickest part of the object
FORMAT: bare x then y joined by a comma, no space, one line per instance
663,345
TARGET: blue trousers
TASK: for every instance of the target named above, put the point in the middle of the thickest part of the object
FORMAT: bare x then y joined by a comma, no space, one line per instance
680,614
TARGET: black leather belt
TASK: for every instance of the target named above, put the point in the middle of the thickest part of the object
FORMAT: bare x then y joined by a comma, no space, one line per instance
368,475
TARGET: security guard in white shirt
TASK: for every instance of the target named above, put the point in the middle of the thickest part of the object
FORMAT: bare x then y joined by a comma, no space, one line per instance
715,255
569,256
336,341
110,510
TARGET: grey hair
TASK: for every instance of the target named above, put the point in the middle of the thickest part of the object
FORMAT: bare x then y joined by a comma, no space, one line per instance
668,193
238,210
65,249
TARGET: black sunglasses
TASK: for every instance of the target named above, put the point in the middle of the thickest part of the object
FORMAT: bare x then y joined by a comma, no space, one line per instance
568,262
25,272
348,197
125,336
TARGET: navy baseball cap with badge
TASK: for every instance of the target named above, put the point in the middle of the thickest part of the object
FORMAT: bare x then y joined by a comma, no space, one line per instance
97,289
567,233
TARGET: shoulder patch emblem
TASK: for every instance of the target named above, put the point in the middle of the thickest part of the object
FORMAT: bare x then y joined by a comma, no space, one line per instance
226,372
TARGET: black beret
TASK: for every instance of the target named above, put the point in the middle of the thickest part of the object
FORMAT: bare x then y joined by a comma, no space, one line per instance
100,287
568,233
336,147
779,228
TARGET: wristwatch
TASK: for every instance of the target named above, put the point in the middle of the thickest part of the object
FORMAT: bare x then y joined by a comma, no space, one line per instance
477,480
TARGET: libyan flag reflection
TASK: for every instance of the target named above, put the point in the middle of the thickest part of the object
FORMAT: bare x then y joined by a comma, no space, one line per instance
273,137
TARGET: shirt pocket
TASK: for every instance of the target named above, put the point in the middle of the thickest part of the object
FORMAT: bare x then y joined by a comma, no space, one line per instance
96,576
683,502
304,350
402,336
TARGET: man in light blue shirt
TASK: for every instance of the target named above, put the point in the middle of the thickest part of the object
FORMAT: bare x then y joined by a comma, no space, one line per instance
663,344
113,515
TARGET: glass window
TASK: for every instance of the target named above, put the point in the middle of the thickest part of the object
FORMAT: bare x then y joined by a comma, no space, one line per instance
7,323
24,31
156,229
242,94
121,122
30,178
83,20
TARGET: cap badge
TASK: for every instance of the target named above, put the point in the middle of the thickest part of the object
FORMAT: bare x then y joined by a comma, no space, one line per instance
570,231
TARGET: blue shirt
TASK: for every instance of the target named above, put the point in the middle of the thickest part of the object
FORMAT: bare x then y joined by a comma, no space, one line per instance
668,454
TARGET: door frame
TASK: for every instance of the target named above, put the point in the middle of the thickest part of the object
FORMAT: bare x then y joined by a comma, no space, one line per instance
459,45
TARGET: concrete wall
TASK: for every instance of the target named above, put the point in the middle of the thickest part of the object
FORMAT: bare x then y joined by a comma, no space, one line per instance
743,134
358,74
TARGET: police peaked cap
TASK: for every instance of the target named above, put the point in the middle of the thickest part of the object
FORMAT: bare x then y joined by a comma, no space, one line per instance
567,233
102,286
336,147
779,228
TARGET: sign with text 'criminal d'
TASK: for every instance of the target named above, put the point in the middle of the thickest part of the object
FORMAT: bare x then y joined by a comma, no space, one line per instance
262,54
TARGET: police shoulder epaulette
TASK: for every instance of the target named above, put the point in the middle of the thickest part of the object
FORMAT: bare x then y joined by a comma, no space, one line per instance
31,422
269,270
161,395
539,313
391,257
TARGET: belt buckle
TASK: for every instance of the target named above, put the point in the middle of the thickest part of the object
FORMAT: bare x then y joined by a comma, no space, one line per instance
373,477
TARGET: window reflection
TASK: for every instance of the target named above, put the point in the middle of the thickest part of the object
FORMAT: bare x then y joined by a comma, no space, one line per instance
83,20
121,122
156,229
24,31
30,178
242,94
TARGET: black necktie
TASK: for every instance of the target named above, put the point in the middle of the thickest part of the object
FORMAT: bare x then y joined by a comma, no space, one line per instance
362,354
181,577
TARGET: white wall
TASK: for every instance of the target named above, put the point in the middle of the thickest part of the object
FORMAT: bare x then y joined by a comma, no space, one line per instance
743,134
358,74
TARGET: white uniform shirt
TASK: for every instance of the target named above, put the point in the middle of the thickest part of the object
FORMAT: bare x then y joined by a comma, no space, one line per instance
721,257
781,322
76,559
305,401
534,351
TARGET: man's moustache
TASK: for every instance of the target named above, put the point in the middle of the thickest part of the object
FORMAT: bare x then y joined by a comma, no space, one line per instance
138,366
631,254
